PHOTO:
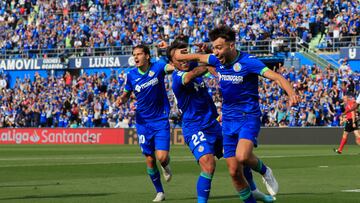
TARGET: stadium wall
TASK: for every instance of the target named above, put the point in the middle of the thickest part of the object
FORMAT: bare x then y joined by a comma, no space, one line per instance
296,136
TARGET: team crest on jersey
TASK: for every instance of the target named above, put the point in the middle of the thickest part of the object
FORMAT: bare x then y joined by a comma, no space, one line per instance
180,73
237,67
137,88
201,148
151,73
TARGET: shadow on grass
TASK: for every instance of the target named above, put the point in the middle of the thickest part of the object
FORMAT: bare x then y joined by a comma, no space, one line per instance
30,185
305,193
230,197
221,197
58,196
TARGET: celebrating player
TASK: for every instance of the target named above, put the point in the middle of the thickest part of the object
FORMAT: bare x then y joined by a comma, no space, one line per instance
238,77
202,132
152,112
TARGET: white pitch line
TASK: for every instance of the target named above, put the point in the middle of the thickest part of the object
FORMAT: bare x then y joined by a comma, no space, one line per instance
88,163
354,190
141,157
305,155
82,158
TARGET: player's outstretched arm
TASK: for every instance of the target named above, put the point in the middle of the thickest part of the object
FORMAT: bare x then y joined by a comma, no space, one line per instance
181,55
198,71
294,99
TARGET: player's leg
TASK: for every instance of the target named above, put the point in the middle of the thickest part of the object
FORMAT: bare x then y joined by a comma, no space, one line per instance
357,136
205,145
258,195
342,143
230,141
207,165
348,129
154,174
238,180
244,153
146,142
164,159
162,146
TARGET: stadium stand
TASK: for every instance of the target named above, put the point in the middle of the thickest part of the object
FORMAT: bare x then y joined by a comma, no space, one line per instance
38,28
45,29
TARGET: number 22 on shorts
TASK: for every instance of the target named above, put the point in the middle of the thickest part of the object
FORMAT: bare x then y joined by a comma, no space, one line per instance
197,138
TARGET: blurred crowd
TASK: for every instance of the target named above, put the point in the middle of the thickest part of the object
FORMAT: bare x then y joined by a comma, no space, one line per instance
321,94
89,100
83,101
26,26
29,25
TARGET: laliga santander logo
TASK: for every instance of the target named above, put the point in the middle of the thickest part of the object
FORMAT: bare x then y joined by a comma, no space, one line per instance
52,137
35,137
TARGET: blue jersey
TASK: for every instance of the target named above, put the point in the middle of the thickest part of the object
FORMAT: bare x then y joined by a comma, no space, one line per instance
150,92
43,117
239,85
90,122
66,122
61,122
193,99
104,119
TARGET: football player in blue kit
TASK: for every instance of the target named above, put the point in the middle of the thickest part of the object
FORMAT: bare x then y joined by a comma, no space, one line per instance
238,78
152,113
202,132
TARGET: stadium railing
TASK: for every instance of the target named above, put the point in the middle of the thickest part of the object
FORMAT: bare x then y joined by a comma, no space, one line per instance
334,44
67,52
262,48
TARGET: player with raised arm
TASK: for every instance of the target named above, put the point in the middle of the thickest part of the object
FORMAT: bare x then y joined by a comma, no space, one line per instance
202,132
238,77
152,112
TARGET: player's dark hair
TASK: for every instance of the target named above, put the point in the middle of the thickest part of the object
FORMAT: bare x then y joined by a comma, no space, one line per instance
145,49
177,44
224,32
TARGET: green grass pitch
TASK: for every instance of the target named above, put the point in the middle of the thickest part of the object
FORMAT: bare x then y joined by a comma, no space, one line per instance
109,173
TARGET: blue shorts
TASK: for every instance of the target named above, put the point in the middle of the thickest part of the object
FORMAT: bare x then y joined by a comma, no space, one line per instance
247,127
202,141
153,136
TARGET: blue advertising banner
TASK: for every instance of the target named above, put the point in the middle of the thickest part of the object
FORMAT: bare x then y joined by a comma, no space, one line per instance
32,64
100,62
352,53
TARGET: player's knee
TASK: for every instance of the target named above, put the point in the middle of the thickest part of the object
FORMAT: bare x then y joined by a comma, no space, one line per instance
242,158
162,158
150,161
233,171
207,164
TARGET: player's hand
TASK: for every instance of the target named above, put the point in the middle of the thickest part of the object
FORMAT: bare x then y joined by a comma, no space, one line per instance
162,45
118,102
219,118
179,52
293,99
203,47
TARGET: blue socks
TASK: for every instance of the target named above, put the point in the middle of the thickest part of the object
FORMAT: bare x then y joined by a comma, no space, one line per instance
249,177
155,178
203,187
261,167
246,195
